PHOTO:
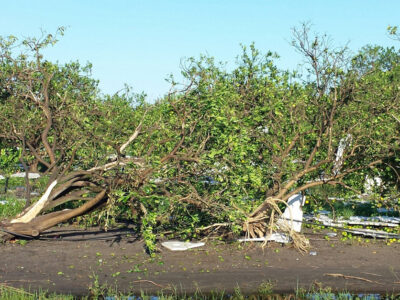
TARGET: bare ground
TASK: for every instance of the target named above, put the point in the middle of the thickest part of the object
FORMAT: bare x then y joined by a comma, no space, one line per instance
69,260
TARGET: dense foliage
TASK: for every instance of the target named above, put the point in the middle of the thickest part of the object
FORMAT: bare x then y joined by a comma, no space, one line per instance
213,154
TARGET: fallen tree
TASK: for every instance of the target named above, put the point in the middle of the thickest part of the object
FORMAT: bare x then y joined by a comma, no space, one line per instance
54,115
221,155
277,134
342,128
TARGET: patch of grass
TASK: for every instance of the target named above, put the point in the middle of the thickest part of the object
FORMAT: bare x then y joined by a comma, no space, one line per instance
11,293
10,206
347,213
99,290
266,288
22,242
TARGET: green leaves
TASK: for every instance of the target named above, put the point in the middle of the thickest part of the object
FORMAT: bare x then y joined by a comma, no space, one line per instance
9,159
212,152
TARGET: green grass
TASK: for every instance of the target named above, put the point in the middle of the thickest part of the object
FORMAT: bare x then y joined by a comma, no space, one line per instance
11,293
11,207
13,204
105,292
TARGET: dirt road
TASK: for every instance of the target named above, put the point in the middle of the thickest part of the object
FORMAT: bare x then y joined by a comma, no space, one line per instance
71,260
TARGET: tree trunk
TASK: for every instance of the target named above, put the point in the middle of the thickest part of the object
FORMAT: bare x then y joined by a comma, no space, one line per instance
6,184
41,223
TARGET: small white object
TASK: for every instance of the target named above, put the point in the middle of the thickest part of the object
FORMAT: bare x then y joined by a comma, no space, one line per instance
3,202
181,246
274,237
313,253
292,217
30,175
371,183
331,234
264,129
2,177
343,143
278,237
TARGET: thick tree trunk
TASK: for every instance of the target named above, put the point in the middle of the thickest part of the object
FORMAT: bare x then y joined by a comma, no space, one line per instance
41,223
64,188
32,212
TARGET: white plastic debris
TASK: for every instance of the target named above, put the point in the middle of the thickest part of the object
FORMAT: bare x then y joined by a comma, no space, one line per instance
371,183
292,217
313,253
374,233
377,221
274,237
181,246
343,143
355,220
30,175
2,177
331,234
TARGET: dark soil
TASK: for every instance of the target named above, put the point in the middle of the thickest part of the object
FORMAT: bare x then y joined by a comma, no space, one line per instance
70,260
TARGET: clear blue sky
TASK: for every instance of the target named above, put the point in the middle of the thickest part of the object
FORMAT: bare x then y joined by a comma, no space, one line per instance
141,42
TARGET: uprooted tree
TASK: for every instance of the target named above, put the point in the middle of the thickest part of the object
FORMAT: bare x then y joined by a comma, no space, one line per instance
219,154
80,142
330,129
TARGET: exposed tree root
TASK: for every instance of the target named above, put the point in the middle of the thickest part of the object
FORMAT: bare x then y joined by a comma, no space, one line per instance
256,225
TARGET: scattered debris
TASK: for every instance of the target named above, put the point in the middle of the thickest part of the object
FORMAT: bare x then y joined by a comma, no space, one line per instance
274,237
22,175
313,253
374,233
181,246
331,234
378,221
382,221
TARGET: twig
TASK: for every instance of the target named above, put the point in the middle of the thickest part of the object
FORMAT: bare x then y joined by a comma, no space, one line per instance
215,225
152,282
350,277
372,274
